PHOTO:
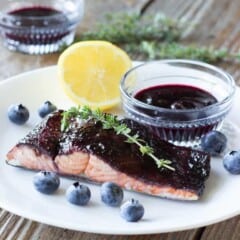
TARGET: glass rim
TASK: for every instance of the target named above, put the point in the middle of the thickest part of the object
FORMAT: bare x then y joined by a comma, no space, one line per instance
178,111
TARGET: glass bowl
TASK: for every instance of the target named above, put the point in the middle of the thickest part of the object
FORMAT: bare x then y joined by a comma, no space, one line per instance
39,27
180,126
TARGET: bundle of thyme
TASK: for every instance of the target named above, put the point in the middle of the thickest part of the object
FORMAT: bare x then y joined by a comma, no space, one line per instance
110,121
122,28
152,37
155,50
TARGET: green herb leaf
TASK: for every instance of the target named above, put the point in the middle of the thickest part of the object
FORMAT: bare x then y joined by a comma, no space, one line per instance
146,150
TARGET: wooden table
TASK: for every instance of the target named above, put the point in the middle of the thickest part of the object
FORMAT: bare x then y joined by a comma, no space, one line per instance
217,24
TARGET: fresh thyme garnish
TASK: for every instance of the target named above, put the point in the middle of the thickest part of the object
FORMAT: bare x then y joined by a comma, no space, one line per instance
124,28
154,50
153,37
110,121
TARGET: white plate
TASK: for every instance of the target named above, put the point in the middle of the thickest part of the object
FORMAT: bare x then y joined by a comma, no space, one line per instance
219,202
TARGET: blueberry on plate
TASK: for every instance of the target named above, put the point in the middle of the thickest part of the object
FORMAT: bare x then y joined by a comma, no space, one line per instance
132,210
46,182
46,108
18,114
111,194
78,194
231,162
214,143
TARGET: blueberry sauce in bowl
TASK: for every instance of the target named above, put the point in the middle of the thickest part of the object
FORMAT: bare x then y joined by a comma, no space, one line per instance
179,100
176,97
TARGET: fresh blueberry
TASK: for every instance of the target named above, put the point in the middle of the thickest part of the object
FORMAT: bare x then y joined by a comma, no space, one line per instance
46,108
78,194
46,182
132,211
231,162
214,143
111,194
18,114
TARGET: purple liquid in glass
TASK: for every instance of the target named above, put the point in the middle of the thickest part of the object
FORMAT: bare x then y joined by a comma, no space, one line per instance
39,25
176,97
179,97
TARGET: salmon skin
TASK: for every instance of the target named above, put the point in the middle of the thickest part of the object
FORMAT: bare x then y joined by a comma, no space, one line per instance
87,150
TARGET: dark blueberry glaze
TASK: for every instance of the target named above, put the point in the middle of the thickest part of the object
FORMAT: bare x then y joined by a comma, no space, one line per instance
176,97
36,28
45,136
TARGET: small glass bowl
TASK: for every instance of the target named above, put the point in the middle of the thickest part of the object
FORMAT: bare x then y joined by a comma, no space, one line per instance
180,126
39,27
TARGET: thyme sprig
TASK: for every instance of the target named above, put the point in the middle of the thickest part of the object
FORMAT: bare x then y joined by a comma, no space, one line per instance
155,50
110,121
122,28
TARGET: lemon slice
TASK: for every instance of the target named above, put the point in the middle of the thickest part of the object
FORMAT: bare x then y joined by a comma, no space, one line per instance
90,73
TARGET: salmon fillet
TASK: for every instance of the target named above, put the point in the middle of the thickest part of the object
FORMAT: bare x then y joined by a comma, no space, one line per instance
100,155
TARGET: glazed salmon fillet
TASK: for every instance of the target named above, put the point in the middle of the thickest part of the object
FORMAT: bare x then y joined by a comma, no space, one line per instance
87,150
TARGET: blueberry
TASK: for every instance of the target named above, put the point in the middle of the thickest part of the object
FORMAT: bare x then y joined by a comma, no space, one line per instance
111,194
214,143
132,210
18,114
46,182
78,194
231,162
46,108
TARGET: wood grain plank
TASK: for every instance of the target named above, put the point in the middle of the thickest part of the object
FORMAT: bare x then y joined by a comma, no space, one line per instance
170,8
30,230
54,233
9,226
217,19
211,22
227,230
96,10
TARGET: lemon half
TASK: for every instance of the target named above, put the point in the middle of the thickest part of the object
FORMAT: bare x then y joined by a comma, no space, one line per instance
90,73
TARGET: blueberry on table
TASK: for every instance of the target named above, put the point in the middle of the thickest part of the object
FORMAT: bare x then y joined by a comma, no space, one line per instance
18,114
231,162
132,210
78,194
214,143
46,182
111,194
46,108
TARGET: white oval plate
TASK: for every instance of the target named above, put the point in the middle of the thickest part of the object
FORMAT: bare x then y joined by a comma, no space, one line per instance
17,195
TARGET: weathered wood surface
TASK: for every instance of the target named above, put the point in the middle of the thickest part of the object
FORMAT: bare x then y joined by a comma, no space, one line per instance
213,22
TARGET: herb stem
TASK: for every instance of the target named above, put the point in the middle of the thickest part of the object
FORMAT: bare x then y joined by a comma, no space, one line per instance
160,162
